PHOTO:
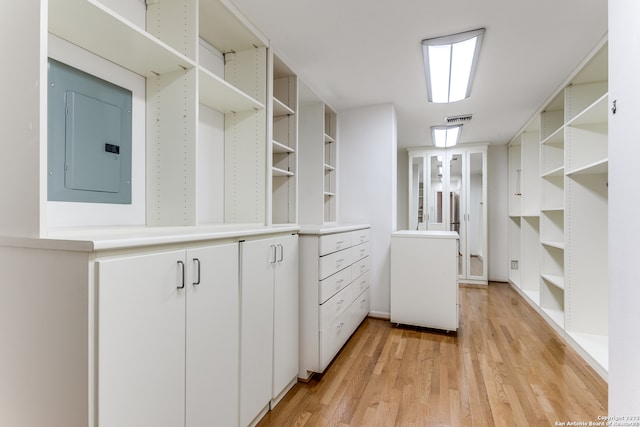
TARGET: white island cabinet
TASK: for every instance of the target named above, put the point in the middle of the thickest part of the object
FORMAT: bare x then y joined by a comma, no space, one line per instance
424,282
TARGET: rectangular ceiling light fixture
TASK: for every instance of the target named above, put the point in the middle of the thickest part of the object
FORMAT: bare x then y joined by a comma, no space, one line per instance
446,136
449,63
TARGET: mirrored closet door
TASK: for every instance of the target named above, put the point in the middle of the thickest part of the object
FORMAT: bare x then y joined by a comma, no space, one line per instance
447,192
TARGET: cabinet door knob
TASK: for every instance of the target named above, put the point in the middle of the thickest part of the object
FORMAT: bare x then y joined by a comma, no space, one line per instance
196,261
181,265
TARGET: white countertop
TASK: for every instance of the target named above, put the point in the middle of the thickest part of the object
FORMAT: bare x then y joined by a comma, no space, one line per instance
108,238
331,228
426,234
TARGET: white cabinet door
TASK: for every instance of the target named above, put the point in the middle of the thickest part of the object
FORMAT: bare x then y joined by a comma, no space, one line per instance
256,326
285,321
141,349
212,336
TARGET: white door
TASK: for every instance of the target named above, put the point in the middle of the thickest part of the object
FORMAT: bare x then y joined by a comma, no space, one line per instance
624,208
256,326
475,217
213,310
141,341
285,338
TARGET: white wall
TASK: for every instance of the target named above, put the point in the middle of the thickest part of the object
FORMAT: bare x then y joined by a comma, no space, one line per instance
403,189
367,187
624,208
497,212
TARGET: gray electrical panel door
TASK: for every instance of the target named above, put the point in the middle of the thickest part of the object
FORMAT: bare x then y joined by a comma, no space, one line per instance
89,143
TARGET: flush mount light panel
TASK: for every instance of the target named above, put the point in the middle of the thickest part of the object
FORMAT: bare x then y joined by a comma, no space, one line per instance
446,136
450,63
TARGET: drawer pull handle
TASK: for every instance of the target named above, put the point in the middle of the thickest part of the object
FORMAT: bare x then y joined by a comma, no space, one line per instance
279,246
339,302
181,285
340,325
197,263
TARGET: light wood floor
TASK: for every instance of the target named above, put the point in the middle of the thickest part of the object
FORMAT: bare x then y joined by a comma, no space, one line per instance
505,367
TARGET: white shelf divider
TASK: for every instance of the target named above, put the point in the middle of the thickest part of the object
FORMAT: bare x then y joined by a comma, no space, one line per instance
223,96
281,148
85,23
281,109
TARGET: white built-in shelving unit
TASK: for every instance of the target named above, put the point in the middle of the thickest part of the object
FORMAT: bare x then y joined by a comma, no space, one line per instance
284,143
558,175
330,156
318,158
204,143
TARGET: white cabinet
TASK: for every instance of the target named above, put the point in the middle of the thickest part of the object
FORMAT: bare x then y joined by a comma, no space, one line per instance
558,234
448,192
269,323
424,279
212,336
168,338
334,291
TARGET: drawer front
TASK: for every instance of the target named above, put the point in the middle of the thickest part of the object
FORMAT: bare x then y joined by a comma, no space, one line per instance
360,267
360,308
361,283
332,263
333,284
360,236
360,251
333,335
336,305
334,242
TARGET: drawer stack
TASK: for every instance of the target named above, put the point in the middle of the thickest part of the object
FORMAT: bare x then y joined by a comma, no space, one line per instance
334,294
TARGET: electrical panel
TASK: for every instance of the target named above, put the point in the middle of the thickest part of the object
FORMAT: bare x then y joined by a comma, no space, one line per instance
89,138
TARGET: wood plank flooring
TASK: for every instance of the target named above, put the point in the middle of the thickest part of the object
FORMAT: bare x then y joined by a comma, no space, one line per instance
505,367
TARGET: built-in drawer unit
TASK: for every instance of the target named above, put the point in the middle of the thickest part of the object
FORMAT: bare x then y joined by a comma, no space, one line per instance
334,292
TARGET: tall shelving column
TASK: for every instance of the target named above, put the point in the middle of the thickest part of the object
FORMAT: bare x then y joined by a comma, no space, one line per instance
330,164
525,212
284,144
515,222
317,157
586,210
244,75
171,120
552,210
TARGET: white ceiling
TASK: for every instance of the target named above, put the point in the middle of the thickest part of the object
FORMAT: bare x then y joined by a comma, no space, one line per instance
362,52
